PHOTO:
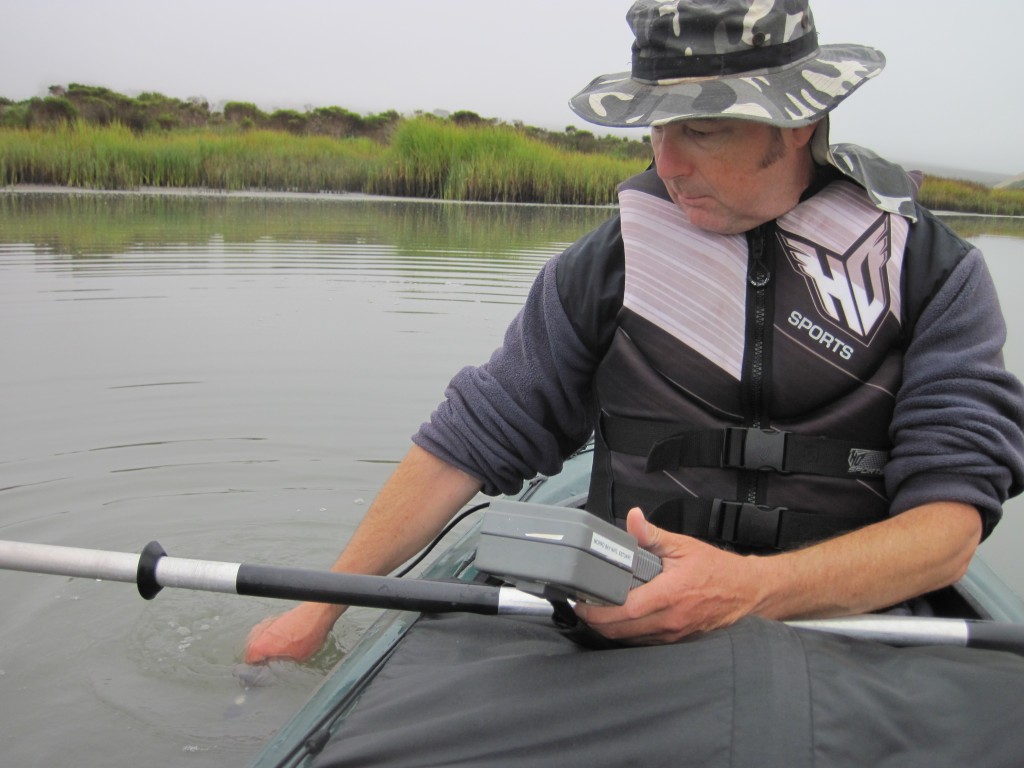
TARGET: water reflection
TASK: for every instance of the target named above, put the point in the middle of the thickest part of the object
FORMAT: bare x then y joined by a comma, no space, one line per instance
96,225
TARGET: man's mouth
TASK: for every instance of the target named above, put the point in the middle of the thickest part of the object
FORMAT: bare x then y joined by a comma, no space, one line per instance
687,198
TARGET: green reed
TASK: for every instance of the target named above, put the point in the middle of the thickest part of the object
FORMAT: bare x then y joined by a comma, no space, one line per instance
438,159
425,157
113,157
959,196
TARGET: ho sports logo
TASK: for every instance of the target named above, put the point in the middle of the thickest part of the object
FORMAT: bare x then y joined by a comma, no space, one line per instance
851,289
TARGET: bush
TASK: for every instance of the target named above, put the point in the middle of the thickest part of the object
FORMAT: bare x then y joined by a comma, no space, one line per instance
50,111
241,111
288,120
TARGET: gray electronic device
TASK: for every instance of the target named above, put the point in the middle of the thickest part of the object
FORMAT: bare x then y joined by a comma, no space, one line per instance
561,552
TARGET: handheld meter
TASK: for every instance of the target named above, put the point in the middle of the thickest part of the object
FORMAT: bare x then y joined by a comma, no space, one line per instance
560,552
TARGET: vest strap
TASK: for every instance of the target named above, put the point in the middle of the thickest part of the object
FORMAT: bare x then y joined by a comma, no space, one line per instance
742,524
668,448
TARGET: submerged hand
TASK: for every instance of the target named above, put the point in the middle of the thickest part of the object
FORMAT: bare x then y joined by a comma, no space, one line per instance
295,635
699,589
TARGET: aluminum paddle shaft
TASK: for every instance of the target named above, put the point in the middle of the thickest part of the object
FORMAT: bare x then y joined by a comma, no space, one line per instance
924,630
154,569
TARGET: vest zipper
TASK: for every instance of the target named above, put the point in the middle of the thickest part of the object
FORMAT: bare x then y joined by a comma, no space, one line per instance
759,276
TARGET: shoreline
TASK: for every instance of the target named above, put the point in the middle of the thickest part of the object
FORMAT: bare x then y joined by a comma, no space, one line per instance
261,194
339,197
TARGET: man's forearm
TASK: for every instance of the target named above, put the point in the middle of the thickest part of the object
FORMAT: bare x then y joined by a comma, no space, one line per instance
419,498
880,565
411,508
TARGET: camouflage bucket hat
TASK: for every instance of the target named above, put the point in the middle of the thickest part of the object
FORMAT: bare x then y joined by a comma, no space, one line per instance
749,59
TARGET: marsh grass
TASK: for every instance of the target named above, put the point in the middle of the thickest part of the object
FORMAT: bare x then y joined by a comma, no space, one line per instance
113,157
425,157
959,196
438,159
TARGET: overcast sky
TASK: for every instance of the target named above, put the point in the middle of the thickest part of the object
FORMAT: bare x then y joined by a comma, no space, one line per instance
950,95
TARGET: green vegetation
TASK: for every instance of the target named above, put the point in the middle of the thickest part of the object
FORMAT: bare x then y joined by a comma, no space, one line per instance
425,157
154,111
84,136
441,159
113,157
81,136
970,197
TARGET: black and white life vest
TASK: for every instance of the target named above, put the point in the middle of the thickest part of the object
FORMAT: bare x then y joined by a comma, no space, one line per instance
778,354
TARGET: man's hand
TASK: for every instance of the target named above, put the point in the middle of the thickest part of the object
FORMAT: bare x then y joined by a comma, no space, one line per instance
702,588
699,589
417,500
295,635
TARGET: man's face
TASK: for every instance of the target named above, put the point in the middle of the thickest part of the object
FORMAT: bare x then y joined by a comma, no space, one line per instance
729,176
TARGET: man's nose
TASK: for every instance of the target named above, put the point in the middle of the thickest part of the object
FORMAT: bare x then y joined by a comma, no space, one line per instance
672,159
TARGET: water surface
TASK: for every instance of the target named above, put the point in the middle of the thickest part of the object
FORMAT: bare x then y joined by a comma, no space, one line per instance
235,378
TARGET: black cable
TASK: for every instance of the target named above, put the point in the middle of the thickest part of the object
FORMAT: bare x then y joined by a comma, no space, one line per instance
447,529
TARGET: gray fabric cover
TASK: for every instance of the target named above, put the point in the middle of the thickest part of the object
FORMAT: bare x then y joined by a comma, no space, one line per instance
465,690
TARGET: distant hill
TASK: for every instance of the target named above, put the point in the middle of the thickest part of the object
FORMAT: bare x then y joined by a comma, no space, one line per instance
947,172
1017,182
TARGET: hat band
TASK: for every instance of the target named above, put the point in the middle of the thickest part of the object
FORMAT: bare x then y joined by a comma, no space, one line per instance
652,69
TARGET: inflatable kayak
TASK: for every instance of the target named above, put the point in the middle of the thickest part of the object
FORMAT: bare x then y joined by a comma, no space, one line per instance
433,689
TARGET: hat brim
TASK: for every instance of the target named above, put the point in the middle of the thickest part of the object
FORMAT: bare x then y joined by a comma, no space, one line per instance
791,96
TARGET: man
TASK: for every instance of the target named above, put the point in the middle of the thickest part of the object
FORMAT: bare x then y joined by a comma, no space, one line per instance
783,359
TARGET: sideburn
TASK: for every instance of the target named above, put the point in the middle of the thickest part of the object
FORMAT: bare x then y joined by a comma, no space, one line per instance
776,150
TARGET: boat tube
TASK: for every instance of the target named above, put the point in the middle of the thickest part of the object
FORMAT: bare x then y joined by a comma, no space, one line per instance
503,691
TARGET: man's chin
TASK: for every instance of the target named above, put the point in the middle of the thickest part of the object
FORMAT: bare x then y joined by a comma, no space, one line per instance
708,220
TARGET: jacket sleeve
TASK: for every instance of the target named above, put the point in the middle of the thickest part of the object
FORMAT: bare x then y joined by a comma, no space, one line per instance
957,425
531,405
524,410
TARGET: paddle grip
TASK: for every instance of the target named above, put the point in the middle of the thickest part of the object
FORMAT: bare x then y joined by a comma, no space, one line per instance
145,577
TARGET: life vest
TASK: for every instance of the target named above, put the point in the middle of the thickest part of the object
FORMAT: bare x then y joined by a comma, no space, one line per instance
747,391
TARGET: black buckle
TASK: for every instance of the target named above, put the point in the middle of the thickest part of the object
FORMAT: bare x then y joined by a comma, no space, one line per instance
745,524
760,449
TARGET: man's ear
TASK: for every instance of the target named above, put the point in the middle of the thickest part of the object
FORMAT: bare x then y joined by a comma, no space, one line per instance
801,137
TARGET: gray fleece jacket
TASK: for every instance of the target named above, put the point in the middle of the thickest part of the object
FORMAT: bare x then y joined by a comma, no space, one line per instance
956,431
